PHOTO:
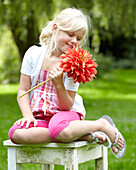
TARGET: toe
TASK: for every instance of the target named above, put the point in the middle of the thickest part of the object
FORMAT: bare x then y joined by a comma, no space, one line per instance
120,142
115,150
100,137
120,145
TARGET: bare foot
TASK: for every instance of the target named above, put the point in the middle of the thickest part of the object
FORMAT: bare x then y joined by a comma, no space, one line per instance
120,144
98,135
111,132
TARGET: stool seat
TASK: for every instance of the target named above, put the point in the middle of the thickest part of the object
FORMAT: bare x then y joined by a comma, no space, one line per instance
50,154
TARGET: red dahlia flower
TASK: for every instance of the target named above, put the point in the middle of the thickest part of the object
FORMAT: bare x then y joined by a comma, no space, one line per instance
79,65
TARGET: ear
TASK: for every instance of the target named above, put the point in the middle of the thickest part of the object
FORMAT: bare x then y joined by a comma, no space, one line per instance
54,27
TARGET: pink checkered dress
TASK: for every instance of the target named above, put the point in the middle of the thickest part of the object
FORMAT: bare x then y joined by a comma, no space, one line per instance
44,99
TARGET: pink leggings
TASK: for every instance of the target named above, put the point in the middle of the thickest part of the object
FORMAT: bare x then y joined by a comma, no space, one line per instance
55,125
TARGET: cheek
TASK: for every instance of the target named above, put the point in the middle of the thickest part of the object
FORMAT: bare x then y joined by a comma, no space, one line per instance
63,40
65,37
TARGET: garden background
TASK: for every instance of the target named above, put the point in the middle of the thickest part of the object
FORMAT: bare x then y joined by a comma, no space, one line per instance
112,41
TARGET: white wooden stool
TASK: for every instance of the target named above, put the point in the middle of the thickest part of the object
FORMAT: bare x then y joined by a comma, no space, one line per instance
67,154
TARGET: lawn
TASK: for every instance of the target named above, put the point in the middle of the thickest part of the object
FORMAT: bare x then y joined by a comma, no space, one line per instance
114,94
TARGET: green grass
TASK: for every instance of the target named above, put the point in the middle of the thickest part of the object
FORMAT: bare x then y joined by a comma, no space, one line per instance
114,95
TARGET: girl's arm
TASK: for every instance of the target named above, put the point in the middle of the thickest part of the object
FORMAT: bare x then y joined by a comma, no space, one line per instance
65,97
24,102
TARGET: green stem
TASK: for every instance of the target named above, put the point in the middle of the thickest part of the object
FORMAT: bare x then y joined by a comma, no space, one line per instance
33,88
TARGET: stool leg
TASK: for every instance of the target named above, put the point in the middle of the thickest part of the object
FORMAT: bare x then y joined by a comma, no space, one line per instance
71,159
47,167
12,163
102,163
71,167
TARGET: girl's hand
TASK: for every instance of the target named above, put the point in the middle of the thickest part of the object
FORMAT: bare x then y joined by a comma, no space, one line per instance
26,120
56,75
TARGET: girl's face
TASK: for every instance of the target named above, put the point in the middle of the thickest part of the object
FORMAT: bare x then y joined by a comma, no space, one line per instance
67,39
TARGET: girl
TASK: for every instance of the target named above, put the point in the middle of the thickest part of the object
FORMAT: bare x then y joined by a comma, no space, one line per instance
54,111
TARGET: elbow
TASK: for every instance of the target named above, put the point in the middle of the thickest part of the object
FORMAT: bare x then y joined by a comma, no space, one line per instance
66,107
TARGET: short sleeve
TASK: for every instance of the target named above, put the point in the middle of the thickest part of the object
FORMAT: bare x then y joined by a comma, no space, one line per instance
70,85
27,64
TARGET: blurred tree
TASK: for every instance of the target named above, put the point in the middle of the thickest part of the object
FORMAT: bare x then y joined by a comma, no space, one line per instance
111,19
113,33
9,59
23,19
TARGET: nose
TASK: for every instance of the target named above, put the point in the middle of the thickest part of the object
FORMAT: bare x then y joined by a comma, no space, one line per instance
74,39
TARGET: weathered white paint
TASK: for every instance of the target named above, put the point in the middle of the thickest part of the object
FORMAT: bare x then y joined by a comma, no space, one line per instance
67,154
102,163
47,167
12,161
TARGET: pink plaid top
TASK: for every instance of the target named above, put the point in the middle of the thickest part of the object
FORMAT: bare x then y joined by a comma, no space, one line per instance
44,99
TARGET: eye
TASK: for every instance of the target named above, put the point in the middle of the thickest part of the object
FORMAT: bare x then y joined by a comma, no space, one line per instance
70,34
79,38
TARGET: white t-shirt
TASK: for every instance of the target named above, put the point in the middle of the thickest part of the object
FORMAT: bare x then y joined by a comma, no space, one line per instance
31,66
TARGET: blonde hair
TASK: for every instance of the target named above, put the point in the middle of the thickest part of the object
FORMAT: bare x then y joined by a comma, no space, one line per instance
81,20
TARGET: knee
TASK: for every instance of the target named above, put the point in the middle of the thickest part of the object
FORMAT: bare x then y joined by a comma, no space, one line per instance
65,136
14,134
59,131
62,135
17,136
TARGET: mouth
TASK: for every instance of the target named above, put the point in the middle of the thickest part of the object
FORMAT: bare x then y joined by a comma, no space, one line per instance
70,46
